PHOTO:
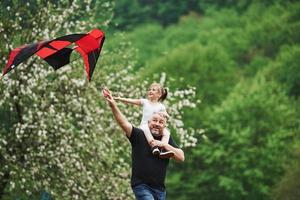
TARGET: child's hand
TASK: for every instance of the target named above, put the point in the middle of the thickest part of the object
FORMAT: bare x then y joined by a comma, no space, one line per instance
158,143
151,143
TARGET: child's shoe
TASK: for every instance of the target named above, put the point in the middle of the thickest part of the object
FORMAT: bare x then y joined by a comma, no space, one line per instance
155,151
166,154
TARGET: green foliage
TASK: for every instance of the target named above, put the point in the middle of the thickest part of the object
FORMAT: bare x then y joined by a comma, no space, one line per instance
252,127
275,20
209,68
286,68
288,187
56,132
143,49
129,14
52,137
243,36
241,56
213,30
246,146
253,45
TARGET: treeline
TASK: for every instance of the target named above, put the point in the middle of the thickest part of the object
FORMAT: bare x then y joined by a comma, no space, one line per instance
243,57
129,14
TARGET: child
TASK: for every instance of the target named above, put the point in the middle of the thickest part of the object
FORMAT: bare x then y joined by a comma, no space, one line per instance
155,95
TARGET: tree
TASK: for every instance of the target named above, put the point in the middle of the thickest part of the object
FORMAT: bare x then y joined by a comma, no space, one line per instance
243,154
50,122
285,69
288,187
56,133
129,14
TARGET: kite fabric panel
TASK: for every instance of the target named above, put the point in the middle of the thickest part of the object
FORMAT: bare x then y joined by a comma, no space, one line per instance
57,53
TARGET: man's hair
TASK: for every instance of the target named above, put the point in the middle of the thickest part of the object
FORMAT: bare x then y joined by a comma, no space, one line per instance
163,114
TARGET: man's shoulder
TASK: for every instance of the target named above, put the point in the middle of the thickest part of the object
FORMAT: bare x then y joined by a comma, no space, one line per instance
135,132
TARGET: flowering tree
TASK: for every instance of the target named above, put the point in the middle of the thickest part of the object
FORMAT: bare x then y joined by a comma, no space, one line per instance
56,132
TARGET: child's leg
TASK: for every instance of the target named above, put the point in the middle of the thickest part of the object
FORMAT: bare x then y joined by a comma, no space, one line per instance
147,133
166,136
155,150
164,153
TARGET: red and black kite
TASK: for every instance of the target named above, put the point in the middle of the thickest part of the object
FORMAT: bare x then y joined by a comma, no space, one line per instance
57,52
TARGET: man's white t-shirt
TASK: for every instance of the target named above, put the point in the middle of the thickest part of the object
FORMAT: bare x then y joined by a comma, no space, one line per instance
149,109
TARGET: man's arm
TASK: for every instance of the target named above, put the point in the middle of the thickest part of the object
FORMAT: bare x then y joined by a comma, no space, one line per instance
178,153
120,118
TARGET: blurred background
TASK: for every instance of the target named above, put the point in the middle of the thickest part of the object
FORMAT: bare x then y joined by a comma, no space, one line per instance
232,68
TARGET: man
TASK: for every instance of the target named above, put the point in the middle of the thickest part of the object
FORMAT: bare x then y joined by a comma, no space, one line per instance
148,171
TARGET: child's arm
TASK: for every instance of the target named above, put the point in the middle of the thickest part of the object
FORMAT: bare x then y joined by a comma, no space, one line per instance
166,136
130,101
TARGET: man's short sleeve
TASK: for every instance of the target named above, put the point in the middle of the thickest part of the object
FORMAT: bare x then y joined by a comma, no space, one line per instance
133,137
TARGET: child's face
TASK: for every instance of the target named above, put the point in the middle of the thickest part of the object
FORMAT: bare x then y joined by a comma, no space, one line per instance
154,92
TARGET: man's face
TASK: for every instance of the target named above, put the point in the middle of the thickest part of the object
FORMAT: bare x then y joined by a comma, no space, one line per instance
156,124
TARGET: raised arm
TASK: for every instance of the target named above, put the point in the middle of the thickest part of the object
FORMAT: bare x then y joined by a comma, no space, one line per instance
129,101
120,118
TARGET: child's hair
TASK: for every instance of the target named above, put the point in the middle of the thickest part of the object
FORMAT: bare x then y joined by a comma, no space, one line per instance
164,91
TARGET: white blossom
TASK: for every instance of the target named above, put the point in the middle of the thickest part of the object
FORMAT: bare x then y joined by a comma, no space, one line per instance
64,129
